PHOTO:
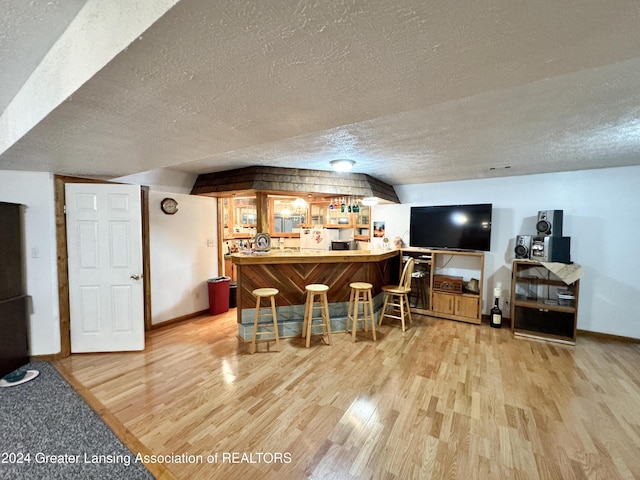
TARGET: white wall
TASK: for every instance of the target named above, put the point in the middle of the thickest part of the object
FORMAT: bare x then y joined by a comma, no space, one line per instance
35,191
162,180
184,255
601,215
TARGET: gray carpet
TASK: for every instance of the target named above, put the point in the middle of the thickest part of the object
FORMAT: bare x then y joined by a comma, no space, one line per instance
47,426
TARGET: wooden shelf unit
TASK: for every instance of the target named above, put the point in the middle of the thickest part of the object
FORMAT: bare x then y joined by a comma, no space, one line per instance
536,311
321,216
461,306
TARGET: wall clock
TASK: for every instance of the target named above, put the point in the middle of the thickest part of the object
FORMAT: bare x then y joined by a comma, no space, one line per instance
169,206
263,242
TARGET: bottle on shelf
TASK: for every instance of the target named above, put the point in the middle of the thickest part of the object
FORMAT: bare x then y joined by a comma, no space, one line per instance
496,315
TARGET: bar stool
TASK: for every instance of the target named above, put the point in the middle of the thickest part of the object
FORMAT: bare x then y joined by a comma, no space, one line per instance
261,293
396,296
319,290
360,292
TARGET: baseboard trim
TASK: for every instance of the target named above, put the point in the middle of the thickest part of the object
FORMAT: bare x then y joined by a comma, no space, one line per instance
607,336
182,318
46,358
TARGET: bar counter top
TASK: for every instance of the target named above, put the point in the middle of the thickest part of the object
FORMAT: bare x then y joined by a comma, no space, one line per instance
312,256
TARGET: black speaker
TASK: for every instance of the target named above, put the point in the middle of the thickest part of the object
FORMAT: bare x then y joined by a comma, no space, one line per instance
523,246
551,249
550,222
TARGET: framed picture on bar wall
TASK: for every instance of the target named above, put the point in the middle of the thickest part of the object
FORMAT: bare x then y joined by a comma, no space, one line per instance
378,229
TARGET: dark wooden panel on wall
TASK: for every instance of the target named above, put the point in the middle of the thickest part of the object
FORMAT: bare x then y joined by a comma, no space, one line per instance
291,279
277,179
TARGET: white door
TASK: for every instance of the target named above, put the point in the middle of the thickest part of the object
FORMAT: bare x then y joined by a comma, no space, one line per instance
104,246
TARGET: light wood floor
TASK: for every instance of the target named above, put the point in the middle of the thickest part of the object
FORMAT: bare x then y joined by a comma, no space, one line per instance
446,400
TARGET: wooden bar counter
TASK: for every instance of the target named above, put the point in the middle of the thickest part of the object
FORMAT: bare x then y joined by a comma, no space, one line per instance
291,271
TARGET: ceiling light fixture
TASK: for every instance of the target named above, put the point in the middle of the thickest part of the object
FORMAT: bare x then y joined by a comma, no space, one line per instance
300,204
342,165
285,212
370,201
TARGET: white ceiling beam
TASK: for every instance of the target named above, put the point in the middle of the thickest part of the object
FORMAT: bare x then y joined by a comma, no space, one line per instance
97,34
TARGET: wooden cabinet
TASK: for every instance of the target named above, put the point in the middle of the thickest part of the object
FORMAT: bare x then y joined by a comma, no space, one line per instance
333,215
286,215
363,223
14,350
542,305
462,305
229,268
239,216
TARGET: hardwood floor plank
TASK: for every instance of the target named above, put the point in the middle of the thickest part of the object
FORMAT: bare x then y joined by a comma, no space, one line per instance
444,400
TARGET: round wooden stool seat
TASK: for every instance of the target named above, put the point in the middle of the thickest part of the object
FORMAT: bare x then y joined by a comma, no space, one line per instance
269,293
360,285
265,292
319,290
360,294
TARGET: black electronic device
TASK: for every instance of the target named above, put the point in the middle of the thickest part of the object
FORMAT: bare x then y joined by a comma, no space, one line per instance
460,227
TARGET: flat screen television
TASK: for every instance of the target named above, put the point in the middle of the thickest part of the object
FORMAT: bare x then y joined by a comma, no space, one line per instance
460,227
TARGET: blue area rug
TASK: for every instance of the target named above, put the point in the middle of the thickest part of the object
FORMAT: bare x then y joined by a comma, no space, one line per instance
47,431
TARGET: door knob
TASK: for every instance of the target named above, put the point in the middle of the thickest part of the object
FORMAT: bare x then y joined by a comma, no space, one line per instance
135,277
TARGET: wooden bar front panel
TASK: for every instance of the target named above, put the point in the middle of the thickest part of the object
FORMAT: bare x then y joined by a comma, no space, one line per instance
291,278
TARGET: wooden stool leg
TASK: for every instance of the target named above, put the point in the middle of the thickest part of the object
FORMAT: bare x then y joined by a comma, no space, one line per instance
309,319
305,316
373,323
325,316
275,323
255,326
384,308
402,297
349,310
408,309
363,299
355,317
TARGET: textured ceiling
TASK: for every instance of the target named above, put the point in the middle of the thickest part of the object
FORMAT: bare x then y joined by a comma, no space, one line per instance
413,91
28,30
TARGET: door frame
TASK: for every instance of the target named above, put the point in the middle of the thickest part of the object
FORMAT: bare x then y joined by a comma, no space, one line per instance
59,182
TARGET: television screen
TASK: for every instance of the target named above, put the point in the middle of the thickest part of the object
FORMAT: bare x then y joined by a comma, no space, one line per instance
463,227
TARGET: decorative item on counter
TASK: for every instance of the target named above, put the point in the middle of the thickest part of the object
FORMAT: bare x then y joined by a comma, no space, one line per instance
398,242
263,242
385,242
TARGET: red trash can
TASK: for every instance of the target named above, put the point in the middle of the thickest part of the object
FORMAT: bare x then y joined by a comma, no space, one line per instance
218,295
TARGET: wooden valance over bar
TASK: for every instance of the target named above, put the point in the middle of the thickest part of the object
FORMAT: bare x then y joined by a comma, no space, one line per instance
249,180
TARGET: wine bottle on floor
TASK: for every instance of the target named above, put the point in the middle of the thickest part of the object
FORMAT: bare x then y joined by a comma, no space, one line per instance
496,315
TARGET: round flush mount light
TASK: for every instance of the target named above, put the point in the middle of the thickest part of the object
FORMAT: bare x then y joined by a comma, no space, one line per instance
342,165
370,201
